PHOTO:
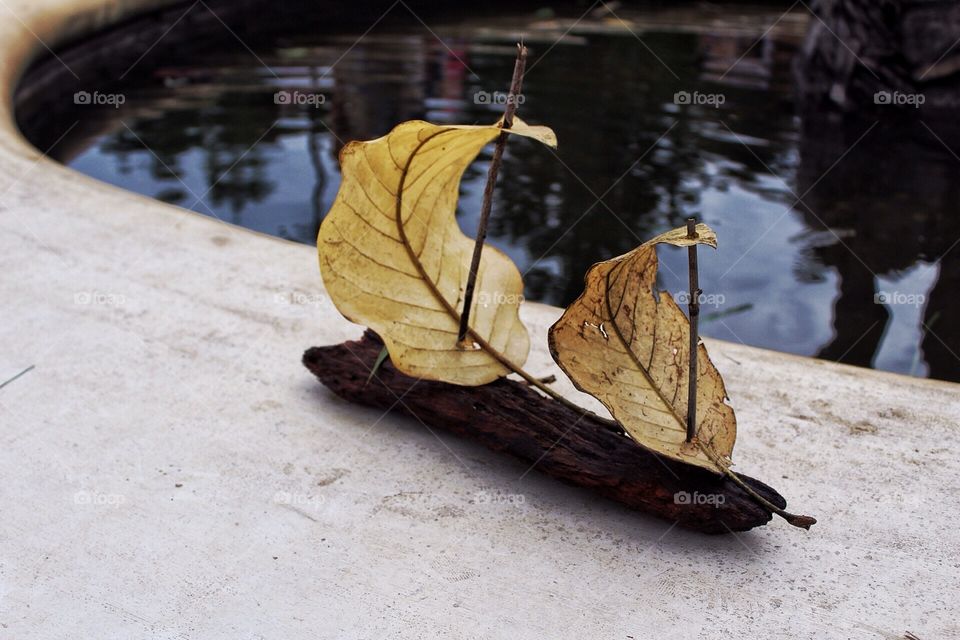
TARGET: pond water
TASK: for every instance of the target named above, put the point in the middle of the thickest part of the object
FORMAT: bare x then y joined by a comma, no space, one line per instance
835,237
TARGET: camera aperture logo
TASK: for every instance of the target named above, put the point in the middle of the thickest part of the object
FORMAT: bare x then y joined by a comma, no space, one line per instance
697,98
697,498
97,99
299,98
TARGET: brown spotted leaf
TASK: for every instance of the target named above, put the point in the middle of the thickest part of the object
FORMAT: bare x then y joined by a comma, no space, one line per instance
628,345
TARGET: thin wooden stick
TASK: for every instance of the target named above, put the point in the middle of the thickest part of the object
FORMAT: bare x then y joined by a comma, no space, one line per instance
515,86
694,306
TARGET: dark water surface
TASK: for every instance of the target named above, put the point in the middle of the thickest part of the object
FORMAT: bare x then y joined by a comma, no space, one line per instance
835,238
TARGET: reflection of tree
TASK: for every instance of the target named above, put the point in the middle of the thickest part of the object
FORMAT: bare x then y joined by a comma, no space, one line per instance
315,134
380,83
316,161
235,139
225,129
892,202
604,128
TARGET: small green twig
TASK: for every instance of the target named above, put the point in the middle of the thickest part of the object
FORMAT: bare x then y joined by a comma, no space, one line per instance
381,357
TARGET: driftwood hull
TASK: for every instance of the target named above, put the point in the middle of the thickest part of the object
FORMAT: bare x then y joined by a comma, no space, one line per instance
511,417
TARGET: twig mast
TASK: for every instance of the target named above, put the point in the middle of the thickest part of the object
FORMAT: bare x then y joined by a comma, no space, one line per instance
693,304
515,86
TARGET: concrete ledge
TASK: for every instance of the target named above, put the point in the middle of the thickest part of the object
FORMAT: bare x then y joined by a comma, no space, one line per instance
170,469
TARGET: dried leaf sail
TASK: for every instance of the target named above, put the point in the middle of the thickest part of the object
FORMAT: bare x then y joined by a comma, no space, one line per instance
394,259
628,345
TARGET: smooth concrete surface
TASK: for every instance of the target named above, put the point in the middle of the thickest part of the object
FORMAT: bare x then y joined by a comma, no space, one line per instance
169,470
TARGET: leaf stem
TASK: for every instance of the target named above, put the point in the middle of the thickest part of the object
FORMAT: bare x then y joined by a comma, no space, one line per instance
694,306
515,86
801,521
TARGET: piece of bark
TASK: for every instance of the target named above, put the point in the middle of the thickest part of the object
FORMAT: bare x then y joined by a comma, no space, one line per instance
511,417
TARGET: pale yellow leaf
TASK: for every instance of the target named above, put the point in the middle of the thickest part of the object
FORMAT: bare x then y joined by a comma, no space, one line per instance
628,346
394,259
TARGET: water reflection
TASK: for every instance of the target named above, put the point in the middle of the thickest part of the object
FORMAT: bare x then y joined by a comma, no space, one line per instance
890,208
807,277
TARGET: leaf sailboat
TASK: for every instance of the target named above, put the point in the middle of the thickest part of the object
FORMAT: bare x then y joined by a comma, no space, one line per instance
393,258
